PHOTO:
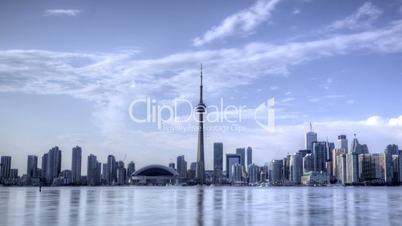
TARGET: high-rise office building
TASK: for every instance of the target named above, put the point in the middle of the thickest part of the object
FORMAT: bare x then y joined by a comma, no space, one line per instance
32,166
242,153
53,167
249,156
308,163
253,173
342,143
341,168
111,173
320,150
218,162
200,110
172,165
276,172
130,170
13,173
236,173
44,167
310,138
231,159
357,148
286,168
352,163
76,165
371,167
296,168
93,171
390,167
5,167
181,168
104,172
121,173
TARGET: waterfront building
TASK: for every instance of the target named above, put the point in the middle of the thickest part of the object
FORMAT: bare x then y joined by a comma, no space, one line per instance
352,168
390,151
93,171
32,166
308,163
242,153
76,165
130,170
320,150
53,166
154,175
181,168
249,156
111,173
231,159
371,168
341,168
315,178
253,174
5,167
218,163
276,172
236,173
296,168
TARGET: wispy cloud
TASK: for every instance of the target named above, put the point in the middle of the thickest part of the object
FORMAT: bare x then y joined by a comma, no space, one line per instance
62,12
241,22
362,18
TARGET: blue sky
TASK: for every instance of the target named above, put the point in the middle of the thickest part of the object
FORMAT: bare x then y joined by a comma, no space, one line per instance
70,69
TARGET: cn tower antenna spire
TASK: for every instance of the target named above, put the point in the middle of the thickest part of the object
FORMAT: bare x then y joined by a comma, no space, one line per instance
201,87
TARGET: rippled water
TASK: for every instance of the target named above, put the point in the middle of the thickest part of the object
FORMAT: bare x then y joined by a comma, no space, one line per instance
201,206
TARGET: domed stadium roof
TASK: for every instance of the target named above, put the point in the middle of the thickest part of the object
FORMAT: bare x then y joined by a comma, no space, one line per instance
155,170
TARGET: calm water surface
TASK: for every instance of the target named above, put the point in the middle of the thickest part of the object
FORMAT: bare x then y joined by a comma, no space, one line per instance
200,206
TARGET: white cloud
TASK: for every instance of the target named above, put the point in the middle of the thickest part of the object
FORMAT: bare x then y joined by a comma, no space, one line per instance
62,12
273,88
362,18
296,11
241,22
395,121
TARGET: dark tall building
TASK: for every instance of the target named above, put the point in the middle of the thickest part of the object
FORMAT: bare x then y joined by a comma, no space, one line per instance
121,173
231,159
76,165
32,166
182,168
5,167
111,173
53,167
200,170
130,170
249,156
93,171
44,167
218,162
242,153
319,156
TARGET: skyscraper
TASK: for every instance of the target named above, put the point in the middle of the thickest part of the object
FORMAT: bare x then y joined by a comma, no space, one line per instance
130,170
390,151
181,168
231,159
319,155
93,171
76,165
200,110
296,168
236,173
53,167
111,172
253,172
5,167
342,143
32,166
276,172
242,153
308,163
218,162
44,167
310,138
121,173
249,156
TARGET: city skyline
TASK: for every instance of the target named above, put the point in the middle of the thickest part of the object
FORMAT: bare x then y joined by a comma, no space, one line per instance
341,72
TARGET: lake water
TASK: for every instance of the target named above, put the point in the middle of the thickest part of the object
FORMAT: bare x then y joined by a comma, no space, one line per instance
201,206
